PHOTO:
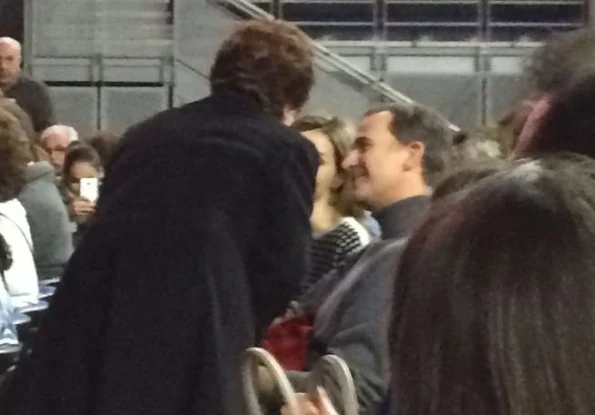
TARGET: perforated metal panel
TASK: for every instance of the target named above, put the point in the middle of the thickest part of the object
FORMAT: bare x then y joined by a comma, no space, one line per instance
122,107
76,106
456,96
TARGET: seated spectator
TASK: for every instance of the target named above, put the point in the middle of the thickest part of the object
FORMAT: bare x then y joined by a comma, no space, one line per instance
21,277
46,213
47,217
81,162
493,311
31,95
477,146
335,217
105,143
55,141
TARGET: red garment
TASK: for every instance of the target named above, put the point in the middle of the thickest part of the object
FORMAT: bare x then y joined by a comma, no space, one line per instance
288,341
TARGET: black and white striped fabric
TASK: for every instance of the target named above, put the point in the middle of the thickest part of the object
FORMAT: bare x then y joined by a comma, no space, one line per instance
329,250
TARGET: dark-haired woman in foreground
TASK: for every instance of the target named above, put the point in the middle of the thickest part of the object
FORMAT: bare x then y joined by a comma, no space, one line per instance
494,310
495,307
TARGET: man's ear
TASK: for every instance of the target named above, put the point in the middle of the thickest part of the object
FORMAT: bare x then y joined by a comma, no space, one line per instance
415,154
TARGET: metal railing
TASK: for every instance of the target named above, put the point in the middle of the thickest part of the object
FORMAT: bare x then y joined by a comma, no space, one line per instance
331,60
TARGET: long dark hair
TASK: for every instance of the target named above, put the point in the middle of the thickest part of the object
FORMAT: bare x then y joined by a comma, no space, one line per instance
80,153
494,310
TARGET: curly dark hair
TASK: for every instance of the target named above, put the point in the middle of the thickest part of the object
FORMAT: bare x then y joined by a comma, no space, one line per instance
557,60
14,156
271,61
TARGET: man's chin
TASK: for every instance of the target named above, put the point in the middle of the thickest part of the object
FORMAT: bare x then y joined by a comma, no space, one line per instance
361,199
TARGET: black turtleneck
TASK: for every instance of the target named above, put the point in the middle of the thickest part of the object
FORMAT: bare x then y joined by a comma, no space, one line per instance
398,219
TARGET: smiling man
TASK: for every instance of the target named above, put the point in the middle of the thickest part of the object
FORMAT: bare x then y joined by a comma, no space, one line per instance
397,154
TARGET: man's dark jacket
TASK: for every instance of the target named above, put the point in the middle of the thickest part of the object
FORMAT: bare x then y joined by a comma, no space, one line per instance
353,306
198,242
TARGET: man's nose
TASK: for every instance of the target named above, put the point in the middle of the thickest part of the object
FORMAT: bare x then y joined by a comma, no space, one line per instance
350,160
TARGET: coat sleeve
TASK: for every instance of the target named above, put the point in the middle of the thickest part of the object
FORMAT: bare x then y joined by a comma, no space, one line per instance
44,112
361,336
281,256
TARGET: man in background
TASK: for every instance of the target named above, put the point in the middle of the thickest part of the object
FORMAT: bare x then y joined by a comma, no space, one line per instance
55,141
31,95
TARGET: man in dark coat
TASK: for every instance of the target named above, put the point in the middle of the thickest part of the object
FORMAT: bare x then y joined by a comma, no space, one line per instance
198,242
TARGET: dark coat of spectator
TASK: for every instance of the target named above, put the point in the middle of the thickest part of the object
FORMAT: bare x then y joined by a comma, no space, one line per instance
177,275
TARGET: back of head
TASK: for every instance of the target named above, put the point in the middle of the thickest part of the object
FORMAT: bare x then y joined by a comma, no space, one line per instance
494,312
105,143
14,156
558,59
466,175
422,124
26,124
568,125
271,61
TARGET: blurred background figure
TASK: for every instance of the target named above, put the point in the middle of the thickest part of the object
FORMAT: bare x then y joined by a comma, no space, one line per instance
105,144
31,95
55,141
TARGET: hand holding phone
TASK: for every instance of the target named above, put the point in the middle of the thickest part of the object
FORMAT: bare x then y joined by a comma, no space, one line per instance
89,189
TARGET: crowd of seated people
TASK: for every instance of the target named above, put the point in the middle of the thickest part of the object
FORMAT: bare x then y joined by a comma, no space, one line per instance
474,297
41,210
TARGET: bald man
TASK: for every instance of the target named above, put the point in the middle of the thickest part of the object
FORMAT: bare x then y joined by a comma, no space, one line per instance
32,96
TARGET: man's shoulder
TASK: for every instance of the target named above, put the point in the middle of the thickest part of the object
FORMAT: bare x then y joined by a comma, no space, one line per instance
27,82
200,123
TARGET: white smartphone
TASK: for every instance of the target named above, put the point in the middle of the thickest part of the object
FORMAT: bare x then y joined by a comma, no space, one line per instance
90,189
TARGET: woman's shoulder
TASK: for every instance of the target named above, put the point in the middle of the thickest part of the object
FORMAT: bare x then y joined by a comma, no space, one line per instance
347,237
351,229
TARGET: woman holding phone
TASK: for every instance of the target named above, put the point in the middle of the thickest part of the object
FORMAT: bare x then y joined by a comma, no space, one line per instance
80,184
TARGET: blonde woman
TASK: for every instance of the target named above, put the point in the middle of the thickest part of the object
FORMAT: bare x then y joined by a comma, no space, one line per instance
335,220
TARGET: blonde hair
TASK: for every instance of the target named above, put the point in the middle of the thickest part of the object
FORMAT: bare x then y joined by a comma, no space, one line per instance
341,136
